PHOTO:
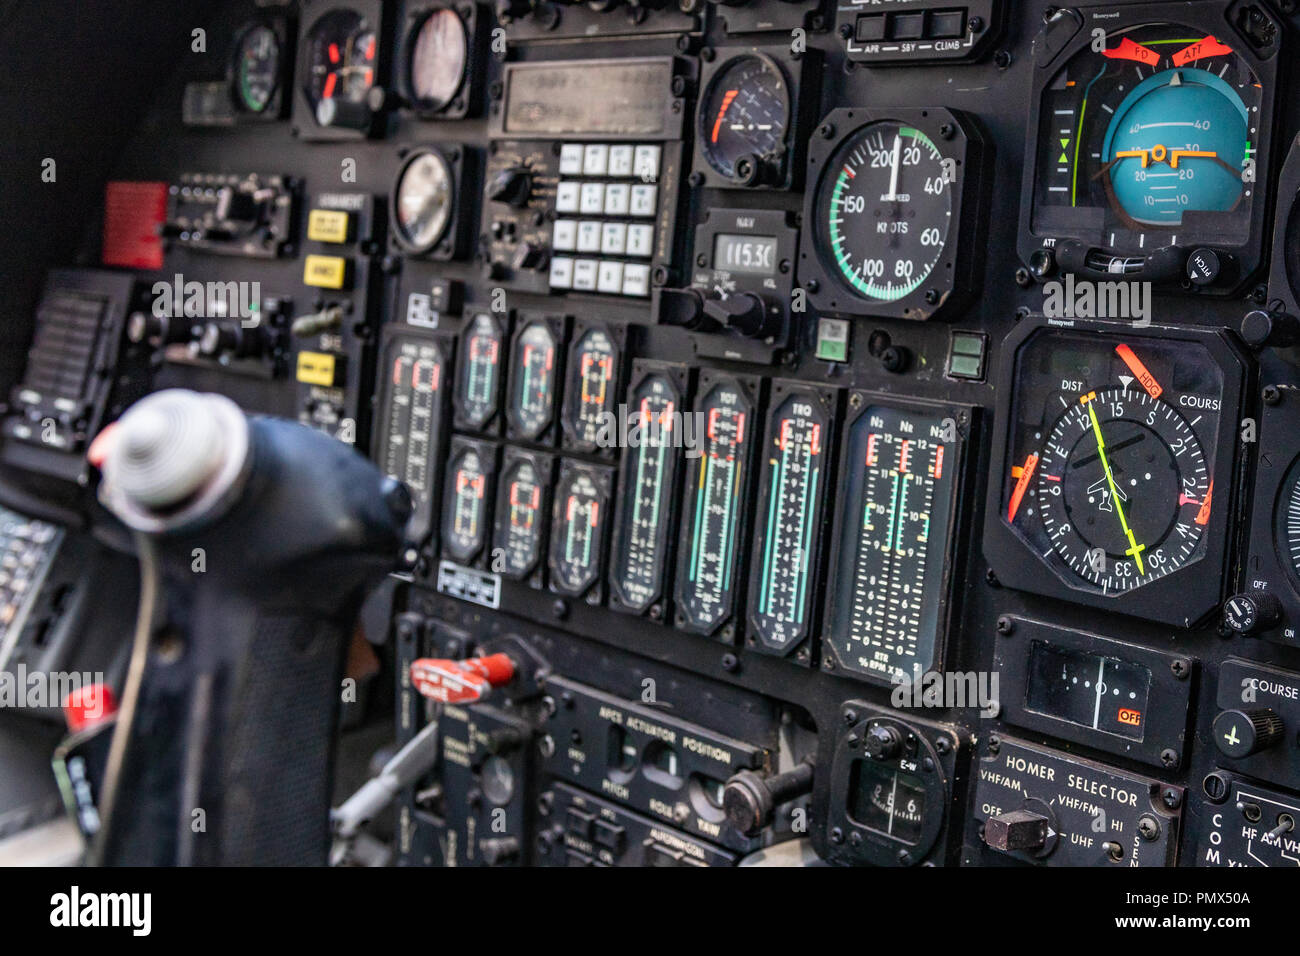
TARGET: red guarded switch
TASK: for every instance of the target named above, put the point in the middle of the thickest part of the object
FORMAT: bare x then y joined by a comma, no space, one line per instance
461,682
88,705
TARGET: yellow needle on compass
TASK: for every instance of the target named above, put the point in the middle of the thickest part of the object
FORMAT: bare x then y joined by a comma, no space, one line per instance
1134,548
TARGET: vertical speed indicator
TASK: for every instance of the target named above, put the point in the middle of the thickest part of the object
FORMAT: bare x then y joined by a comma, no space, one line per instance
716,505
641,535
796,448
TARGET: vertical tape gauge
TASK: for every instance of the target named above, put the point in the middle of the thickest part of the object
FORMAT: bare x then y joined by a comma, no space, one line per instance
591,390
579,530
467,500
795,465
522,514
478,384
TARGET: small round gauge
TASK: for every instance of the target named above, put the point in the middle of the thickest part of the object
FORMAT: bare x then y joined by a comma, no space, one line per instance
521,512
478,386
256,68
1150,141
497,780
342,56
422,201
744,115
590,392
464,512
532,401
1111,474
884,210
439,54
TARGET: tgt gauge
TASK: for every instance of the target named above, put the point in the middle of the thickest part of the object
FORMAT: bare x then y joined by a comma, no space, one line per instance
1117,475
716,505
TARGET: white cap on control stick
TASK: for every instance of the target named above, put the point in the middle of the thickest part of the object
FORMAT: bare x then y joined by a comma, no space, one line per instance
175,458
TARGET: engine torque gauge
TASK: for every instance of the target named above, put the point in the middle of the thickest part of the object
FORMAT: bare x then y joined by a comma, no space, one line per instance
887,601
523,510
593,378
641,554
580,529
534,378
478,382
412,418
796,454
716,505
1113,467
467,500
892,213
1149,143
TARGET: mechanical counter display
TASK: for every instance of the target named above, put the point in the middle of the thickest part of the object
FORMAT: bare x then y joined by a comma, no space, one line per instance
900,477
1113,467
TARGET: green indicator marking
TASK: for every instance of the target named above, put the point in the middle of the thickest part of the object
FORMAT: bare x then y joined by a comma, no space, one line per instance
779,490
702,490
586,550
806,529
729,528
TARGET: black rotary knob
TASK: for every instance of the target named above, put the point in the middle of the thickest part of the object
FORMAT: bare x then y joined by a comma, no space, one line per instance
1242,732
1252,612
882,742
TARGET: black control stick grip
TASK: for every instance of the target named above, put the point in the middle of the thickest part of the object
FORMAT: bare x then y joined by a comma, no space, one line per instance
264,537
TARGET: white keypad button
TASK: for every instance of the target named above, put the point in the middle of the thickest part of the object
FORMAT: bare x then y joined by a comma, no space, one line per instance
588,236
613,239
564,236
593,198
584,274
643,199
610,277
617,199
640,240
561,272
571,159
620,160
646,163
566,197
636,279
595,159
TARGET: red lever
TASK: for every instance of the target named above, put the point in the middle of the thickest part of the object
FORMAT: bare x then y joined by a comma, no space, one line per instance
461,682
89,705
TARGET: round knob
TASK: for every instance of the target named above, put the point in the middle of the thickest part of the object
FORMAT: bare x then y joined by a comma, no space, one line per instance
1018,830
1252,612
348,114
745,313
1260,328
512,186
882,742
1204,266
1240,732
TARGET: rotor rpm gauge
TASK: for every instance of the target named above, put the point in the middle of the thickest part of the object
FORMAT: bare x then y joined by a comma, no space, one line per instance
716,505
795,449
478,386
423,200
744,116
887,212
642,538
1119,463
579,530
591,387
467,499
888,595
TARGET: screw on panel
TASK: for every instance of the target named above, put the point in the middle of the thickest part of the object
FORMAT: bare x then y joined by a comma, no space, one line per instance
1181,667
1171,798
1216,786
1006,626
1169,757
1271,394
